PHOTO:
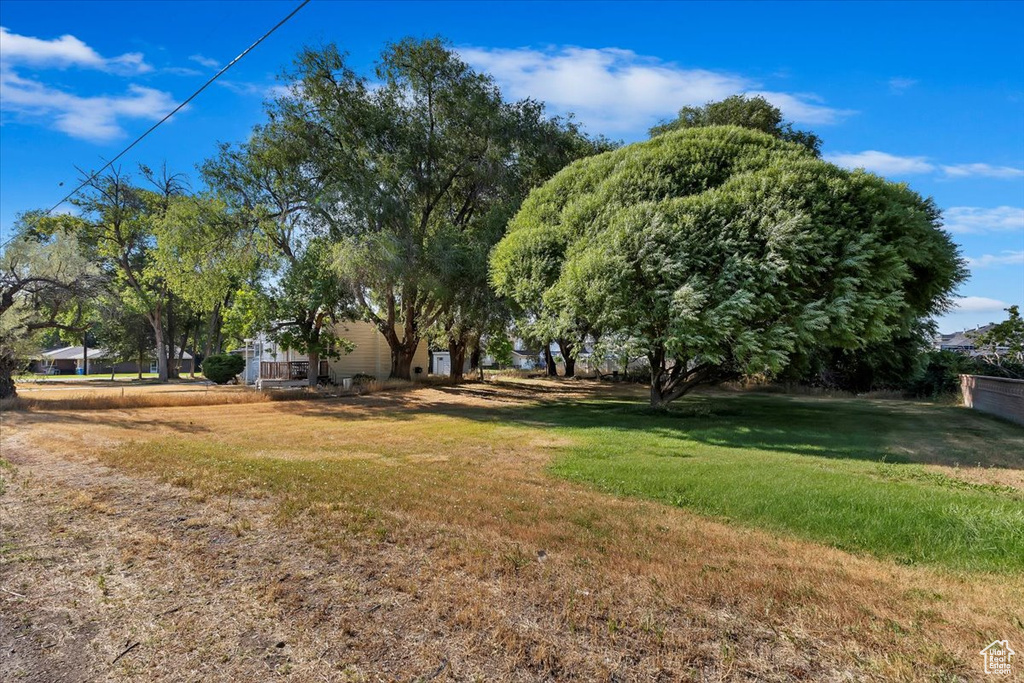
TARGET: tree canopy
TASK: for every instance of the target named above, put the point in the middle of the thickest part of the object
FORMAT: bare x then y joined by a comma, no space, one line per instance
1003,343
296,296
755,113
413,177
44,284
725,251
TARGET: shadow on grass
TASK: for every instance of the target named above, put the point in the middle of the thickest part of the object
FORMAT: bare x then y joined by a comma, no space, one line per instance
872,430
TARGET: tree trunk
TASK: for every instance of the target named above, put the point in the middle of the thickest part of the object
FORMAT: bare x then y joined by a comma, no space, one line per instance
161,347
211,329
85,356
401,360
195,345
566,348
314,367
457,356
656,358
474,360
7,365
181,354
172,372
657,396
552,369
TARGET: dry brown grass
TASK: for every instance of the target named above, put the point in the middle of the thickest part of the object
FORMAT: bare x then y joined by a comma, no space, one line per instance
394,536
98,395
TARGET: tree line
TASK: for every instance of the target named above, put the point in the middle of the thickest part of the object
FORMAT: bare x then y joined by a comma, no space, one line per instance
422,201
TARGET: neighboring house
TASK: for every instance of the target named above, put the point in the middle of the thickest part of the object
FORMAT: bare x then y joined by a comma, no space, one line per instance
68,361
965,342
266,359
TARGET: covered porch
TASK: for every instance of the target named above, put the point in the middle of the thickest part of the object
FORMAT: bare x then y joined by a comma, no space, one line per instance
290,370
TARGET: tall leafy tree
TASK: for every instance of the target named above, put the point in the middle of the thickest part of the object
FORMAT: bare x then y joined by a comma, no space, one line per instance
414,179
44,284
298,307
298,296
124,333
118,231
204,251
725,251
540,147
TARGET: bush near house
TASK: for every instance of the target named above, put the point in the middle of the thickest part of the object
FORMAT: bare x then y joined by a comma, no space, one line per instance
222,368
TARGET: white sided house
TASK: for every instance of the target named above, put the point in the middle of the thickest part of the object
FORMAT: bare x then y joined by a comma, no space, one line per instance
268,362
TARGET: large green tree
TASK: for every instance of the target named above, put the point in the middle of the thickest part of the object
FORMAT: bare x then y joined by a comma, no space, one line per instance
117,230
725,251
45,283
296,296
413,175
123,332
298,306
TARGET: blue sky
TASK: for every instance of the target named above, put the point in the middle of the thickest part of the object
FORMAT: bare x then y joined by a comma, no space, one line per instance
927,93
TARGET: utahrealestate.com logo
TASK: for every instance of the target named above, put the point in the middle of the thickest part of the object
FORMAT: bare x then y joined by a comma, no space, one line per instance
997,657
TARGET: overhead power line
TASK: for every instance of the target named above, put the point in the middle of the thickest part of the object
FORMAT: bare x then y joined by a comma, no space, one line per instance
180,106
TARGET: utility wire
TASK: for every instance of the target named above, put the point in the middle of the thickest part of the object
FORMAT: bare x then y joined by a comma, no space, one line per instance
175,110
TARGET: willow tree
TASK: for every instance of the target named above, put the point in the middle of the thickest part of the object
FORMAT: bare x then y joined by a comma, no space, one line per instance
413,174
725,251
45,283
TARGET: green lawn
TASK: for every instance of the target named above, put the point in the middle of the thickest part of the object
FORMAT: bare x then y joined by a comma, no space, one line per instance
845,473
853,474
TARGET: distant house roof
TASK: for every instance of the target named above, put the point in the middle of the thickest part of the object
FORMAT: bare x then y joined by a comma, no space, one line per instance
957,340
962,340
75,353
531,353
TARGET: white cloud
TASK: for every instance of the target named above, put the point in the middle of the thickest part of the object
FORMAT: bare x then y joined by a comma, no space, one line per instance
208,62
95,118
898,85
256,89
803,107
982,170
181,71
882,163
978,304
974,219
64,52
1005,258
618,91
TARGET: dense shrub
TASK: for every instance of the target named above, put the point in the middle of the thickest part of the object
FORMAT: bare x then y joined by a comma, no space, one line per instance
363,378
942,369
222,368
940,375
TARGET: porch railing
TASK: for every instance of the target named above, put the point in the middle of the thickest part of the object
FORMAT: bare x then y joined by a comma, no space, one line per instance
290,369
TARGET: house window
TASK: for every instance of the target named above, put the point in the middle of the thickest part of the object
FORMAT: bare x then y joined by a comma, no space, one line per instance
153,367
